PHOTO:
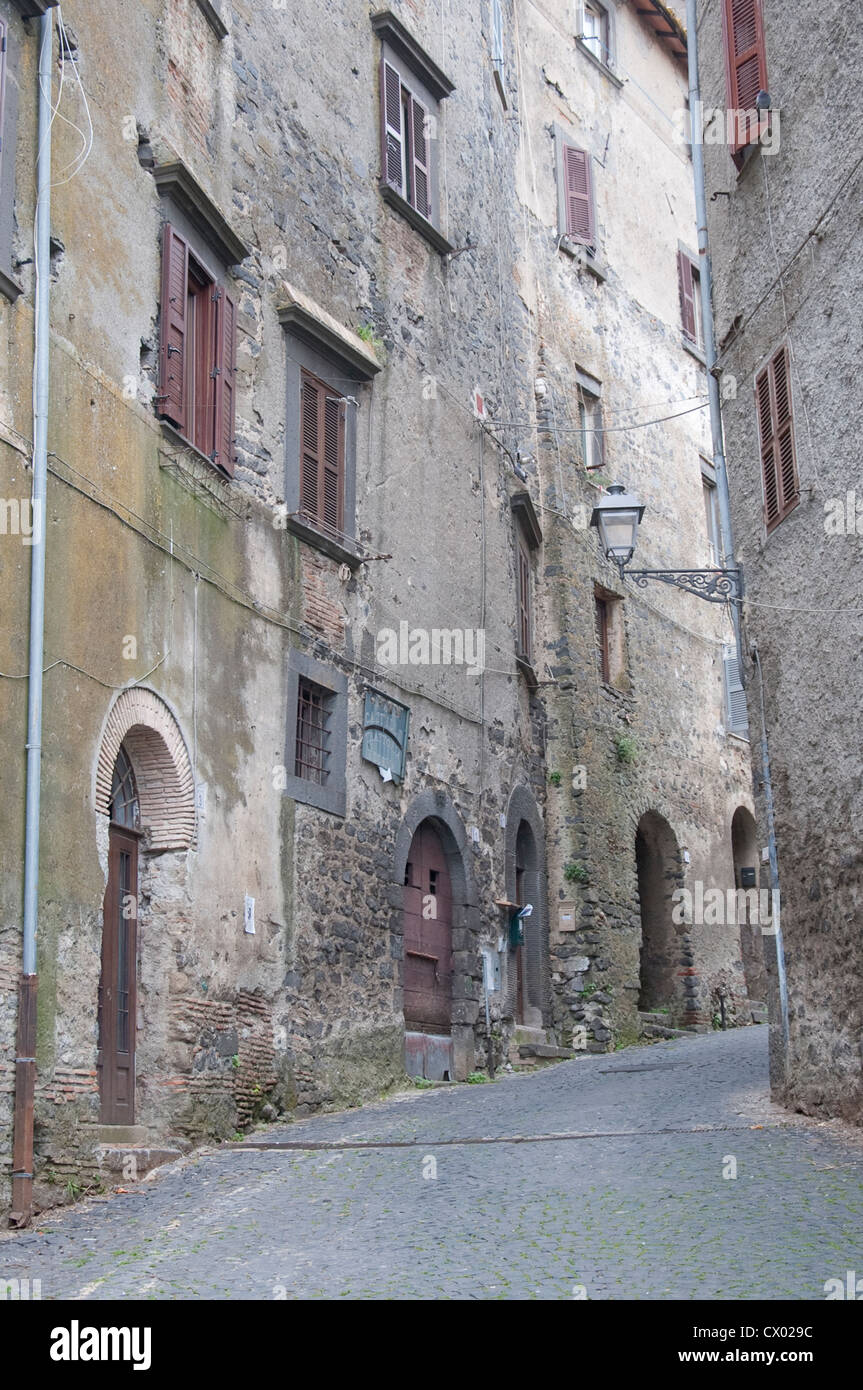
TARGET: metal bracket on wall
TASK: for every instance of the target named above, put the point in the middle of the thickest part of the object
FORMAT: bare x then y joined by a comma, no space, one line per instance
716,586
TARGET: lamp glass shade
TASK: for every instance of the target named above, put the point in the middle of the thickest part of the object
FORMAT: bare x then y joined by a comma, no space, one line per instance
616,518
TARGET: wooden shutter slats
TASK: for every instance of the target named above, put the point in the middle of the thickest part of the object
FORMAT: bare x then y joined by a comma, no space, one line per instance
225,369
524,609
419,146
392,135
745,63
578,194
686,286
776,439
322,454
173,339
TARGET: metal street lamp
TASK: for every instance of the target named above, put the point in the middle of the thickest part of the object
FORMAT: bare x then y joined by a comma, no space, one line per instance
616,517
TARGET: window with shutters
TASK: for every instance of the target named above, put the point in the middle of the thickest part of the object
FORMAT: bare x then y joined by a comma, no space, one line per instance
689,289
711,517
736,718
781,487
610,637
9,285
197,352
328,370
576,202
316,738
746,69
528,538
412,87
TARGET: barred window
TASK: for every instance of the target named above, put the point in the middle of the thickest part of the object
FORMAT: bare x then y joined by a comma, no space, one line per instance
314,710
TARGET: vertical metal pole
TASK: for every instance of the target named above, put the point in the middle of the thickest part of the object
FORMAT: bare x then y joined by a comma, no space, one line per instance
25,1063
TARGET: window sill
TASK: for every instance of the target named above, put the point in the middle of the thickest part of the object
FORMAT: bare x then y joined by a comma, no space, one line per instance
585,258
416,219
598,63
173,434
527,670
341,550
694,350
9,288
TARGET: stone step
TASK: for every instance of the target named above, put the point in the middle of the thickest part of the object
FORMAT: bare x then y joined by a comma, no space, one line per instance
661,1030
545,1050
134,1161
664,1020
120,1134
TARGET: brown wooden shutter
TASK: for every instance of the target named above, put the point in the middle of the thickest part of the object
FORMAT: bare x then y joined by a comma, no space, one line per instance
776,436
419,148
745,62
686,286
392,135
332,473
309,447
578,193
226,387
524,615
172,347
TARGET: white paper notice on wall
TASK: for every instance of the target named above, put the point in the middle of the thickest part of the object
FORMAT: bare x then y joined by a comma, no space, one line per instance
249,916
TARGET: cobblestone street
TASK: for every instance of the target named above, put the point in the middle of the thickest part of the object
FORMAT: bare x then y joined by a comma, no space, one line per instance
630,1203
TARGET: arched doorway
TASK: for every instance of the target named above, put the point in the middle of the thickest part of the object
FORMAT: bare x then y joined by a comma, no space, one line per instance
657,857
116,1011
744,850
428,962
528,962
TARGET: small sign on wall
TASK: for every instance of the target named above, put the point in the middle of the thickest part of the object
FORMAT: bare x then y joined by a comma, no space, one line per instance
249,916
566,917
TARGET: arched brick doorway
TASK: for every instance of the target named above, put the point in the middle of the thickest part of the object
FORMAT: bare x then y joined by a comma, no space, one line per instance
744,849
144,786
659,865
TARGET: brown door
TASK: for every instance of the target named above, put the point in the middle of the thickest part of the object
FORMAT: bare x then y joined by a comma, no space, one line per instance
116,1056
427,936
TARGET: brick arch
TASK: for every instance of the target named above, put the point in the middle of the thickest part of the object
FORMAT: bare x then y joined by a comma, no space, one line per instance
141,720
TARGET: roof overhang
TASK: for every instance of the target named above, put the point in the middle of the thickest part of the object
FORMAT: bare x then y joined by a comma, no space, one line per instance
665,25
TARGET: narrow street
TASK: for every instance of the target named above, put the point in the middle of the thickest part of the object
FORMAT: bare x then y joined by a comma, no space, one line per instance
630,1203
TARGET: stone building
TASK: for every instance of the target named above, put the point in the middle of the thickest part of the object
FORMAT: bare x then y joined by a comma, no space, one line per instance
783,198
337,679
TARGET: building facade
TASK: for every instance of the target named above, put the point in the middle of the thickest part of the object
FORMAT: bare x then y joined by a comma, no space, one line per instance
782,190
337,680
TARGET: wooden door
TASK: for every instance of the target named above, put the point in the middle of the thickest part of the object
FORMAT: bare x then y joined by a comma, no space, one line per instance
117,1005
427,936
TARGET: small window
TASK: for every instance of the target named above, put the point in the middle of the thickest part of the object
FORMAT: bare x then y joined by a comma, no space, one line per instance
592,431
689,286
314,709
124,808
197,352
610,637
711,513
317,729
595,31
776,439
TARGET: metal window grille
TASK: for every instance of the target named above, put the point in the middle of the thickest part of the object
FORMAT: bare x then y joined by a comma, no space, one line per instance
314,705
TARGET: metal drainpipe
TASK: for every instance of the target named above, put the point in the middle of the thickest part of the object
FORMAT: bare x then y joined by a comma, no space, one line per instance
726,534
25,1061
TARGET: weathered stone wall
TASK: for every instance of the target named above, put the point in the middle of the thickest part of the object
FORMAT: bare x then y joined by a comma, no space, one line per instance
784,241
215,592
